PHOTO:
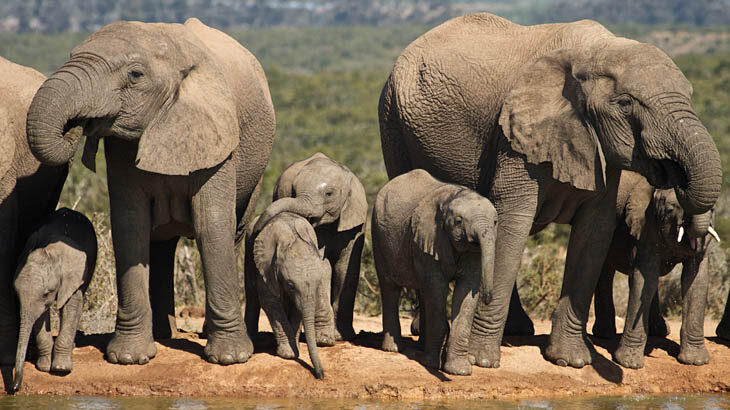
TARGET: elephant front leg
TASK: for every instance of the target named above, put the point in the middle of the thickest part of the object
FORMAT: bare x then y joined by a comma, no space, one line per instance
130,219
642,288
215,224
695,279
463,305
43,341
434,291
345,278
605,322
65,342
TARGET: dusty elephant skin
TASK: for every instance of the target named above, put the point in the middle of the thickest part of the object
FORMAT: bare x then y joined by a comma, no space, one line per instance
333,200
652,236
29,190
56,267
425,234
541,120
287,274
188,125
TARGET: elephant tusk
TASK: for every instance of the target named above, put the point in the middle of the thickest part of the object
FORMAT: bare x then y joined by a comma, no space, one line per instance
681,234
714,234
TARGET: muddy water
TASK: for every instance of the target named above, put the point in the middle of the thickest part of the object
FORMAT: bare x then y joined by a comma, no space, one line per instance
695,401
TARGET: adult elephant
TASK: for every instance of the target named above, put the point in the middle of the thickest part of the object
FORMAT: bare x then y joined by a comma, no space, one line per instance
540,120
188,124
29,190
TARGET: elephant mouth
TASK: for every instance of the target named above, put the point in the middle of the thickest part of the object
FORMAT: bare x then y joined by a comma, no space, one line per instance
666,174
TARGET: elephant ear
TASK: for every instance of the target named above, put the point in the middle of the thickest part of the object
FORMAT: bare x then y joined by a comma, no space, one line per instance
305,231
354,212
542,118
198,127
427,226
265,249
637,206
7,143
73,268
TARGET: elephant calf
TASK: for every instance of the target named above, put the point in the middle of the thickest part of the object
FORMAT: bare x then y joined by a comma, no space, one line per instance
287,274
56,266
427,233
653,235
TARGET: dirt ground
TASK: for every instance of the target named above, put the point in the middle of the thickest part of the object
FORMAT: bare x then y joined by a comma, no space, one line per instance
360,370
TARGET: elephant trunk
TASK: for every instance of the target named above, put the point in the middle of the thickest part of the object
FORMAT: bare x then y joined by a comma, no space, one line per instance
27,323
699,225
697,155
310,336
56,115
486,244
299,206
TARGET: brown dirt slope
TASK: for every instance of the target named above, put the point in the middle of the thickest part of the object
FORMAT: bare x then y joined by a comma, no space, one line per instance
361,370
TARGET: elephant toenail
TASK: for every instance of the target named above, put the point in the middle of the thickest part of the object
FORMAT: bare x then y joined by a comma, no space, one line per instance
213,359
561,362
144,360
579,363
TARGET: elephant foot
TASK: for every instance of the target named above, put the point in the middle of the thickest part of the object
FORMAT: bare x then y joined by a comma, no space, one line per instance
629,357
604,330
416,326
285,351
344,333
226,347
723,330
62,363
485,355
658,328
130,349
432,361
390,344
695,354
43,363
326,338
459,366
574,353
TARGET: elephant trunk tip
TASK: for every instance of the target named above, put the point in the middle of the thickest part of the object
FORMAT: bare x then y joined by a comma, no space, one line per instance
17,380
319,373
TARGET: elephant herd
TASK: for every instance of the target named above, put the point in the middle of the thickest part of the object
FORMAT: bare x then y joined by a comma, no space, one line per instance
490,131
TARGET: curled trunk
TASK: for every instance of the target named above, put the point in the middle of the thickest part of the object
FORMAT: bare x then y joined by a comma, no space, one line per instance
297,206
700,224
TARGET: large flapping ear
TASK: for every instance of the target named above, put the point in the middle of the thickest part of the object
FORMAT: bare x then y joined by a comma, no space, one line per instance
354,211
264,257
637,206
427,226
7,143
284,187
73,269
198,127
542,119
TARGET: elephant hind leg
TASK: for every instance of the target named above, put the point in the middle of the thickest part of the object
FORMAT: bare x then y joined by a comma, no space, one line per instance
162,288
390,295
604,325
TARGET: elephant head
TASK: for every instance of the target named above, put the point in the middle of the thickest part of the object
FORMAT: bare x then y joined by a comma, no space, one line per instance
151,83
613,102
454,220
289,261
682,233
321,190
47,274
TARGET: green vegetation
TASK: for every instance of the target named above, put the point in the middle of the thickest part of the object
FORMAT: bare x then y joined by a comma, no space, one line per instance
325,84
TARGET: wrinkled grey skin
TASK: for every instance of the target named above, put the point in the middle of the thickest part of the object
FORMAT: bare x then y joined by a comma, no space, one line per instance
188,126
333,200
287,274
645,246
427,233
29,191
540,120
57,265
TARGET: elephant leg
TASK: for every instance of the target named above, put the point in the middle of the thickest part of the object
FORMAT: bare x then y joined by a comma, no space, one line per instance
695,281
8,301
642,288
43,341
390,296
489,320
518,322
286,345
214,224
417,317
657,324
345,278
65,342
434,292
605,323
131,223
590,237
723,328
162,288
463,305
324,316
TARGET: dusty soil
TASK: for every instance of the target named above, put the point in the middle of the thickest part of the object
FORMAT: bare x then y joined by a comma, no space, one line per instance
360,370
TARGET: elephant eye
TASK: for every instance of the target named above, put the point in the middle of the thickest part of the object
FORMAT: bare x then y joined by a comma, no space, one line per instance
457,220
624,104
329,193
135,75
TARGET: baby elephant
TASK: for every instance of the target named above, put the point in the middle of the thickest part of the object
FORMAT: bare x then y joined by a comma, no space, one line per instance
287,274
652,236
56,266
427,233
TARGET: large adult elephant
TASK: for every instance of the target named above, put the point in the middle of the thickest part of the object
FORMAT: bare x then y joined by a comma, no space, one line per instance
541,119
29,190
188,125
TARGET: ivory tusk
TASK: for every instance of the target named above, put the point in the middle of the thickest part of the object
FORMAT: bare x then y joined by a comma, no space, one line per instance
714,234
681,234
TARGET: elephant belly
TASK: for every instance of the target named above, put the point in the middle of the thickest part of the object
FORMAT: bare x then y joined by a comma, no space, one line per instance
171,217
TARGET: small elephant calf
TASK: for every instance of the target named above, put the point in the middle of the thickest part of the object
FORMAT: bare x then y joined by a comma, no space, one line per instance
652,236
287,274
427,233
56,266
